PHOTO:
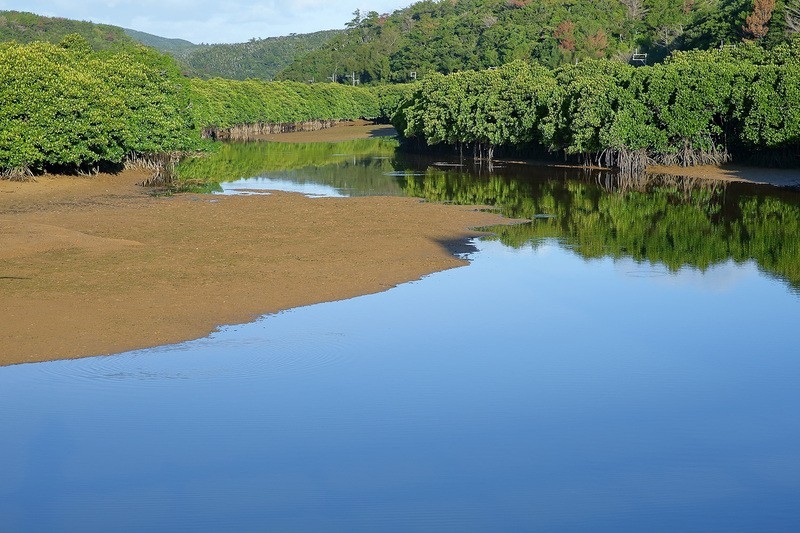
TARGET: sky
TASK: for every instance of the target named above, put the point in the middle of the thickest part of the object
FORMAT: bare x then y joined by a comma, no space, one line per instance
210,21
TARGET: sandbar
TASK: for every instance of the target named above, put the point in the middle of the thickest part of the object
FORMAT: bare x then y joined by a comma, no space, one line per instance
98,265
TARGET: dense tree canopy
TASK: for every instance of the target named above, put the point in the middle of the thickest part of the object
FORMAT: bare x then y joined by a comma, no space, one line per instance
256,58
448,36
68,107
487,78
697,107
219,103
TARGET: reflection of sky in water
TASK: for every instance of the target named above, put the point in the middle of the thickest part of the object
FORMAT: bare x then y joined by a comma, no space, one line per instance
718,278
259,185
531,390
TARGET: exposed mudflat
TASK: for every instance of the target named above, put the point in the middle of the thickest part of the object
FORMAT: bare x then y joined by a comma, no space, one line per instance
96,265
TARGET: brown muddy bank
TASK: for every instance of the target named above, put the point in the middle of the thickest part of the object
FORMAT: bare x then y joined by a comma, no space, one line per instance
97,266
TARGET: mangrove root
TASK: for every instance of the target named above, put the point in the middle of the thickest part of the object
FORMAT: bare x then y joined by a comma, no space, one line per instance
162,165
18,174
249,132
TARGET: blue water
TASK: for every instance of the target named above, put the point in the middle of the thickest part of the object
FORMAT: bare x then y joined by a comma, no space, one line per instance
533,390
554,384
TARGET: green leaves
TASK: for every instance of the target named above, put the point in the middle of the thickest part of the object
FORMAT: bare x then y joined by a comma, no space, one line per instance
53,112
491,107
69,108
693,109
66,107
454,36
220,103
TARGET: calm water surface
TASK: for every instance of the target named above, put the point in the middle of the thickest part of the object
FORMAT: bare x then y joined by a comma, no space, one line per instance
626,362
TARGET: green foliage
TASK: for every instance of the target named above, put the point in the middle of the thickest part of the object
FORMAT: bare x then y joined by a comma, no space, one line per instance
90,100
765,110
691,99
257,58
594,108
220,103
156,100
723,24
54,110
446,36
392,97
69,107
488,108
178,48
695,108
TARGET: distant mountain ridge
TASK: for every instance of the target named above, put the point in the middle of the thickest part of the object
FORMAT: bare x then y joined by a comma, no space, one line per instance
25,27
178,48
255,59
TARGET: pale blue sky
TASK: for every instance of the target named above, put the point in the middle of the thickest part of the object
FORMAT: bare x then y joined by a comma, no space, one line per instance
210,21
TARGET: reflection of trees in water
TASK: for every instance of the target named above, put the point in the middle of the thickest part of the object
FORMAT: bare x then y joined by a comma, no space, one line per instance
657,218
624,182
234,161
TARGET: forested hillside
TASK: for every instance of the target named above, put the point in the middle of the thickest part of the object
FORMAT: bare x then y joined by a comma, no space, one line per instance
27,27
259,59
454,35
256,59
178,48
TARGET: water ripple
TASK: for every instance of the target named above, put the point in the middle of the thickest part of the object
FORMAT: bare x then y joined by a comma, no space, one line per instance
214,358
648,273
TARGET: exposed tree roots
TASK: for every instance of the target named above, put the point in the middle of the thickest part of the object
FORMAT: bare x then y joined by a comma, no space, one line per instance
162,165
627,162
249,132
689,156
18,174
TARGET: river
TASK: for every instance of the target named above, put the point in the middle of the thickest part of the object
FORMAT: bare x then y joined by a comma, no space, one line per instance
624,362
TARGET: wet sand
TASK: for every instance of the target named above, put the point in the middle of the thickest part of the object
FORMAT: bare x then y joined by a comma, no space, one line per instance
780,177
95,265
